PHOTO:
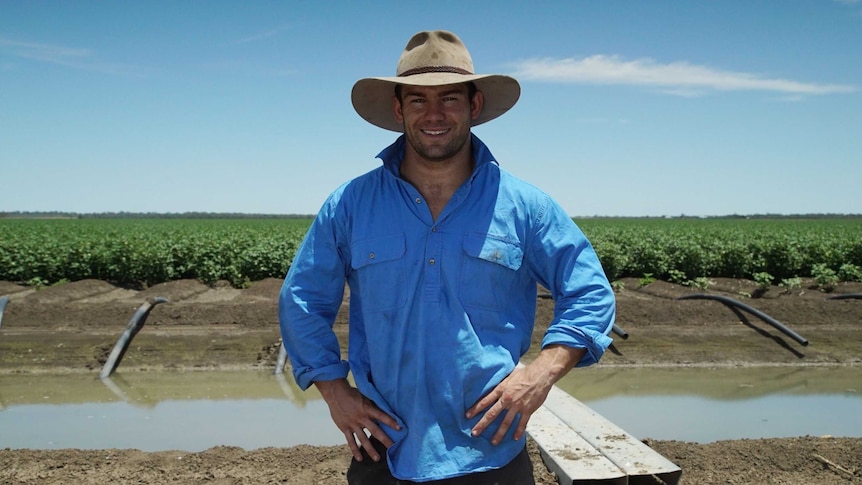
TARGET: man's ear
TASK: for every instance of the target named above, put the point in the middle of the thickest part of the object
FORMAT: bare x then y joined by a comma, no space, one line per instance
476,105
396,110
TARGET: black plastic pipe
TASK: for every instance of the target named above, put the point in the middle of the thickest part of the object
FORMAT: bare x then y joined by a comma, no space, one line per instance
619,331
757,313
3,301
846,296
135,325
282,360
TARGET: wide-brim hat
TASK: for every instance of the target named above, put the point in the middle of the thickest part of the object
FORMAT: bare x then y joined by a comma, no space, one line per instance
433,58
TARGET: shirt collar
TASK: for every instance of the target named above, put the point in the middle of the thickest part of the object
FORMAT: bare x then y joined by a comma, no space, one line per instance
394,154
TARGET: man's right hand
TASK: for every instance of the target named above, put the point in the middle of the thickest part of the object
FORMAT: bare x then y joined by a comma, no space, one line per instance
354,413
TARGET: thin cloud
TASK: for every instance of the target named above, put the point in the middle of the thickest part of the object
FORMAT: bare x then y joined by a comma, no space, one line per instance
678,78
44,52
852,3
71,57
248,68
602,121
260,36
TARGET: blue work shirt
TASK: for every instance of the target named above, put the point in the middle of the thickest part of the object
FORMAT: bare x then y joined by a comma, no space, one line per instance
440,310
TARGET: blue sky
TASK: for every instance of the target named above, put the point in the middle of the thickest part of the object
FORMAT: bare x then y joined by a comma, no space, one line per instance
628,108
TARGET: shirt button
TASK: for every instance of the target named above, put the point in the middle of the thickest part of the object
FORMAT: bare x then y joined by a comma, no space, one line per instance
371,256
434,229
431,261
418,200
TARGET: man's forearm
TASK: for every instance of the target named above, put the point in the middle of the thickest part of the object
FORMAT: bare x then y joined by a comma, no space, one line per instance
554,362
330,389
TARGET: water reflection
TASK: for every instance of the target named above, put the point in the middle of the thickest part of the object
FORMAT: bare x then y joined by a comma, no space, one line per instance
197,410
705,405
147,389
723,383
161,411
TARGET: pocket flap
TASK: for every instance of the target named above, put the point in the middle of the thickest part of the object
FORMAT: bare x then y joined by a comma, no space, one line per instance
495,250
377,250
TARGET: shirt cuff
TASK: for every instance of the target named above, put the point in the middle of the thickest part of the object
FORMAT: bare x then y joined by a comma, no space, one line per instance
306,377
595,343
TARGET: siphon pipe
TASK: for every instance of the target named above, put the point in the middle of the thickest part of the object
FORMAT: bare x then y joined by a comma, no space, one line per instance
134,326
757,313
3,301
619,331
282,360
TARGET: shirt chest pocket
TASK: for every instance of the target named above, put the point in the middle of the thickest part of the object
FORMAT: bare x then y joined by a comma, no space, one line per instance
490,270
379,268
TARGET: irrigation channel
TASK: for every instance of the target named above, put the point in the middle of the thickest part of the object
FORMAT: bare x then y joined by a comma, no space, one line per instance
197,410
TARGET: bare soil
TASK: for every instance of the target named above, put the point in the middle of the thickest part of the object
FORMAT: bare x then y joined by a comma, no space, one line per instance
71,329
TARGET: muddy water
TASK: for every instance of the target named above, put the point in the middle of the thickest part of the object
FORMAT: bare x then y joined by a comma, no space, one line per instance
711,404
197,410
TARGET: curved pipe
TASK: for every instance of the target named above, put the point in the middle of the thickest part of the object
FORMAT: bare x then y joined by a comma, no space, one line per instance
619,331
135,324
3,301
282,360
757,313
846,296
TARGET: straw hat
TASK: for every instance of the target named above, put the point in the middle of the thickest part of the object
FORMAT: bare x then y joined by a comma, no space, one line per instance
433,58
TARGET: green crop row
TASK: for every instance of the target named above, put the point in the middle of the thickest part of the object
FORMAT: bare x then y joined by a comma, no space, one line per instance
143,252
682,250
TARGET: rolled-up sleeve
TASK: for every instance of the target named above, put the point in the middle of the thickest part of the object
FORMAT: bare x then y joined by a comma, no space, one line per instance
309,301
584,303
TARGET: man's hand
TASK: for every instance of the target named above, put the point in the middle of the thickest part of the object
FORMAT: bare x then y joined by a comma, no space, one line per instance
523,391
354,413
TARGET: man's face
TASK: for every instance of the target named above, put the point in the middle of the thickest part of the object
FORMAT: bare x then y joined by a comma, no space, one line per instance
437,119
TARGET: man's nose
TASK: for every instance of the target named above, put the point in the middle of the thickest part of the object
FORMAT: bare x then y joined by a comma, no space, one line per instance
434,109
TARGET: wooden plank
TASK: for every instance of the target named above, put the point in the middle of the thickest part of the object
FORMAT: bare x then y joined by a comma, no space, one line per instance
630,455
571,458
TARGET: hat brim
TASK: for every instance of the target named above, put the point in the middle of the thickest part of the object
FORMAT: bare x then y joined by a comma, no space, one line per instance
372,97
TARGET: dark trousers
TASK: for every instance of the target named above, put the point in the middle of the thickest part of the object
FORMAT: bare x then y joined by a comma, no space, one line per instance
368,472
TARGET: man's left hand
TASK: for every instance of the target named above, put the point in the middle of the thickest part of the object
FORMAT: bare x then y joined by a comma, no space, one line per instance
523,391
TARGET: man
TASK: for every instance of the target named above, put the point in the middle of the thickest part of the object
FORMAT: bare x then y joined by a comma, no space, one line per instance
443,252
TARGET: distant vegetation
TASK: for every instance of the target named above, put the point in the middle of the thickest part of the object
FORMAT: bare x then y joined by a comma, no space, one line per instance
148,215
242,215
689,250
143,252
140,251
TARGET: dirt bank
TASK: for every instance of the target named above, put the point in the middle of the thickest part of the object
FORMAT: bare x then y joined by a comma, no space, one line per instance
72,328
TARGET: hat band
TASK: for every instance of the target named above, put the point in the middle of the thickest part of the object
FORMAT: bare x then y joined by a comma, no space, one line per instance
427,69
